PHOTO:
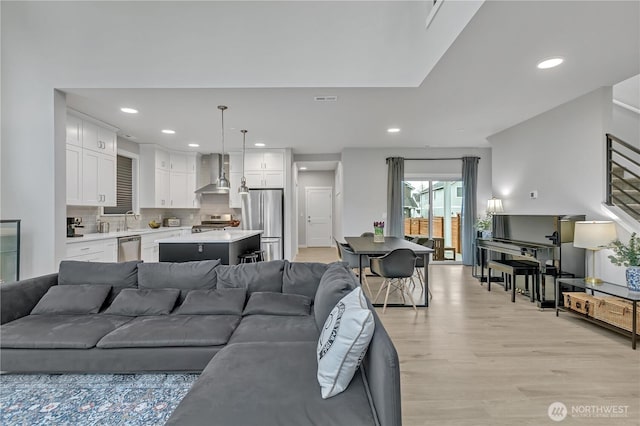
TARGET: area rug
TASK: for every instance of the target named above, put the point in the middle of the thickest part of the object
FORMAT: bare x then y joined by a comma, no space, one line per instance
91,399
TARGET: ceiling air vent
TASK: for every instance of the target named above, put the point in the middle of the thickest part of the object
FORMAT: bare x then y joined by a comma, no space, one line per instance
329,98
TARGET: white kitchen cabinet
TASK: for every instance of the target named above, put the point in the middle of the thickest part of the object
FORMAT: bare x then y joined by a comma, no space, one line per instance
178,190
166,180
93,251
264,160
193,200
264,169
74,130
98,179
161,190
162,159
151,249
178,163
91,163
235,162
107,141
74,174
234,197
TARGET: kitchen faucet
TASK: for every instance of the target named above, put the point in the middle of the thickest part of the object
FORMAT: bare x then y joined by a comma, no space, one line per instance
135,217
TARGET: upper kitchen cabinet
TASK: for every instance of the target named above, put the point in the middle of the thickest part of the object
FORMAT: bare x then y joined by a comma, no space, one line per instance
167,179
91,161
264,169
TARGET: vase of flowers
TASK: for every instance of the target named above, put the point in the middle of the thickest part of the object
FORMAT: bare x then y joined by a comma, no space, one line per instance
483,225
378,232
628,255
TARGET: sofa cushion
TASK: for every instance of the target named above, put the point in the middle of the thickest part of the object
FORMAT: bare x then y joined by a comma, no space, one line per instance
184,276
172,330
72,299
224,301
261,276
336,283
269,303
275,328
277,386
124,274
302,277
343,342
58,331
136,302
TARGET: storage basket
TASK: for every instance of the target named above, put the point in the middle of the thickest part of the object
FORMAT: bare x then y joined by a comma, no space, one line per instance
616,312
580,302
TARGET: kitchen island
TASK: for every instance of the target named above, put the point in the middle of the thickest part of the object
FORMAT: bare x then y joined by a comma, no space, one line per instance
224,245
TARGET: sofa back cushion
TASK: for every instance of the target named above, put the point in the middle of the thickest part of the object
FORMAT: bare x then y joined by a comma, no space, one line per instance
261,276
138,302
117,275
72,299
223,301
185,276
302,278
336,283
269,303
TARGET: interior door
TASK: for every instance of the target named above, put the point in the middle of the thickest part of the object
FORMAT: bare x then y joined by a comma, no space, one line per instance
319,207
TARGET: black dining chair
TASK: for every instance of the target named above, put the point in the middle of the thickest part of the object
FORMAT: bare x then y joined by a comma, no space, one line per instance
353,261
427,242
396,267
367,234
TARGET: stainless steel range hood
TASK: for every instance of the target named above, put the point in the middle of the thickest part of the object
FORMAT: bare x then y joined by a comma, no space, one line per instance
216,165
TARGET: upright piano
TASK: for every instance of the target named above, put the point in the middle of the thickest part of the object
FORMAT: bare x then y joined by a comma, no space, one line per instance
544,239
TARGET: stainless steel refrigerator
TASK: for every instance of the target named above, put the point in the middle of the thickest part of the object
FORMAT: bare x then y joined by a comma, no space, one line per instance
263,209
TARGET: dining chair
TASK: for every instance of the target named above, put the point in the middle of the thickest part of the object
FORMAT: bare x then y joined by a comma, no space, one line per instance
353,261
367,234
427,242
396,267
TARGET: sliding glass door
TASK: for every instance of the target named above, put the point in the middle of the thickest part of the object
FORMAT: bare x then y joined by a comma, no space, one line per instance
432,210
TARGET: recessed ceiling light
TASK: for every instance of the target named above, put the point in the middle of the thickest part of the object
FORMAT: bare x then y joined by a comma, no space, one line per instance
129,110
303,168
259,144
550,63
393,130
169,131
194,145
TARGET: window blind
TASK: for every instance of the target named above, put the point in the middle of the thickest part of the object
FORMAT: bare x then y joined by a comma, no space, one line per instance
124,187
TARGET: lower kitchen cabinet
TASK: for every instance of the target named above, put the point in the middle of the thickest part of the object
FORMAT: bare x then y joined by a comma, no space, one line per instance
93,251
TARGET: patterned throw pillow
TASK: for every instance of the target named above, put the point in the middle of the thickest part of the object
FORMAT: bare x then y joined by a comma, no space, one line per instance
343,342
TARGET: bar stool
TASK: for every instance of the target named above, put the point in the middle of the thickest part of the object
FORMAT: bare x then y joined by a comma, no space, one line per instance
260,254
250,257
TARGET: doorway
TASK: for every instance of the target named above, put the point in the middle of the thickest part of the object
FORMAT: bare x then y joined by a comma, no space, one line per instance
319,223
432,209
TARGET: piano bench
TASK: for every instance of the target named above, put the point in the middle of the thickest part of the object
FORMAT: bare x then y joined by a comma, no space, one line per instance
512,268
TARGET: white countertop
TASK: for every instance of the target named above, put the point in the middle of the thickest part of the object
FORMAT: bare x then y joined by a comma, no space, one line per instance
106,236
229,236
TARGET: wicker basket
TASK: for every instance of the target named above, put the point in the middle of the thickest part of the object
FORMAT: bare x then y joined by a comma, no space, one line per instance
581,302
616,312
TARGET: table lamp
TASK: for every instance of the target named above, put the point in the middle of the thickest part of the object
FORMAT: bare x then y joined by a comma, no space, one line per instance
594,235
494,206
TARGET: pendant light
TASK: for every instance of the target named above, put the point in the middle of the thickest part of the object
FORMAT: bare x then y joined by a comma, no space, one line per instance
243,190
223,182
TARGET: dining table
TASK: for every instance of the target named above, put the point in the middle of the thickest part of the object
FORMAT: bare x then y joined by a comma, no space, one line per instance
366,246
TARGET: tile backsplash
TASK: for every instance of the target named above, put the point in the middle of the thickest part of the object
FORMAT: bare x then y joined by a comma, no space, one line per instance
209,204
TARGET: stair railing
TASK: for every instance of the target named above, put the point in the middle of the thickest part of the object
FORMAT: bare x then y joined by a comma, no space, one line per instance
623,173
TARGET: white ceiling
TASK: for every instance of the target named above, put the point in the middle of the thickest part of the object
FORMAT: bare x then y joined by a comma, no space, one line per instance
373,56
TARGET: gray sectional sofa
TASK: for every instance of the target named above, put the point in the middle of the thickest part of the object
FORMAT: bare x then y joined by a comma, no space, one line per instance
251,330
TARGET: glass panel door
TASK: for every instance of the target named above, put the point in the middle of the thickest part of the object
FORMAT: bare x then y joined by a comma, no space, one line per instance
432,210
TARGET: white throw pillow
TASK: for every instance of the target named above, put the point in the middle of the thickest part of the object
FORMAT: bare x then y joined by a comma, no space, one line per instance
343,342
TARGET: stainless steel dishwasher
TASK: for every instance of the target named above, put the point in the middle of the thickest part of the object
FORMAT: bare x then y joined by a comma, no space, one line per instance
129,248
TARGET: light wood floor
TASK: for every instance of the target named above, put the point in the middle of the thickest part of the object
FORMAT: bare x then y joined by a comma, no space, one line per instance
474,358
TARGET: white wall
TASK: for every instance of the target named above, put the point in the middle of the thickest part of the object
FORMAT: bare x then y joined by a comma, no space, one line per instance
365,180
306,179
561,154
626,125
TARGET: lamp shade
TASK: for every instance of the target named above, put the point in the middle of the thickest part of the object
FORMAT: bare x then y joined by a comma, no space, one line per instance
594,234
494,205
